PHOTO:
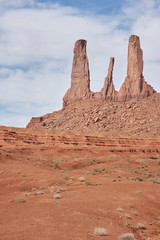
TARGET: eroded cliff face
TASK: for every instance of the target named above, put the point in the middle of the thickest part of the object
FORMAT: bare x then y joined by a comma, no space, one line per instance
134,85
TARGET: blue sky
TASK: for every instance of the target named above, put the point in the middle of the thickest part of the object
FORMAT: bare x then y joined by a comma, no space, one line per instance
36,49
98,7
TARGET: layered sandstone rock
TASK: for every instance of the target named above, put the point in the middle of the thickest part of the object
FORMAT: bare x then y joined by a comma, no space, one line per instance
108,91
134,85
80,77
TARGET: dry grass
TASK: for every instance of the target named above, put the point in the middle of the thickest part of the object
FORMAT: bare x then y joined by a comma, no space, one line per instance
100,231
120,209
82,179
57,196
141,226
127,216
127,236
20,200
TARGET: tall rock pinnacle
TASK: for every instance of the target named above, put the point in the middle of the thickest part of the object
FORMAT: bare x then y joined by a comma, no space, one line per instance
134,85
108,91
80,77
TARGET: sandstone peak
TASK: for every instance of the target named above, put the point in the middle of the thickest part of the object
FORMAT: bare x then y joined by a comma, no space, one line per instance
108,91
79,94
80,77
134,85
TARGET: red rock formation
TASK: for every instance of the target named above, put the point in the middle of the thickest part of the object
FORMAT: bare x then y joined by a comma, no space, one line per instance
80,78
108,91
37,120
134,85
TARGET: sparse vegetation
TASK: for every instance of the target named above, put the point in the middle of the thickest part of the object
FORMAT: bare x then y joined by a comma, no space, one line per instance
81,179
24,175
43,188
58,191
127,236
38,193
58,184
127,216
100,231
141,226
137,179
20,200
27,194
87,183
16,172
24,182
99,183
67,178
120,209
57,196
152,180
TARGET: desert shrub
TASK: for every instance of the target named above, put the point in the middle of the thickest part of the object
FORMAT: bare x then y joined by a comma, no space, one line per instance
27,194
120,209
43,188
24,182
127,236
57,196
100,231
20,200
58,191
58,184
127,216
99,183
38,193
141,226
82,179
66,178
87,183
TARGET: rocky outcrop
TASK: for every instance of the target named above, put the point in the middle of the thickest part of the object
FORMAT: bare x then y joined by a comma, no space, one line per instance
37,120
134,85
80,77
108,91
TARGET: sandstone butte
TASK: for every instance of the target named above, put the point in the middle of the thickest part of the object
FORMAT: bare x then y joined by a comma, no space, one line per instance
129,111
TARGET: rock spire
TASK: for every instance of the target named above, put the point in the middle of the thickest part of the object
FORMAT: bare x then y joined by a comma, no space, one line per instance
80,77
134,85
108,91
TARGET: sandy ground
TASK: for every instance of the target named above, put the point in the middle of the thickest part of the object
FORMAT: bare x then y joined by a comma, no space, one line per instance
120,190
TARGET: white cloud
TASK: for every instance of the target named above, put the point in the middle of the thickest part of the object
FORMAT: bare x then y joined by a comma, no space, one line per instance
36,45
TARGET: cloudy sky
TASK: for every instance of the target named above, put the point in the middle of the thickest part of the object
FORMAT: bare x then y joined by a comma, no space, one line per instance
36,49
